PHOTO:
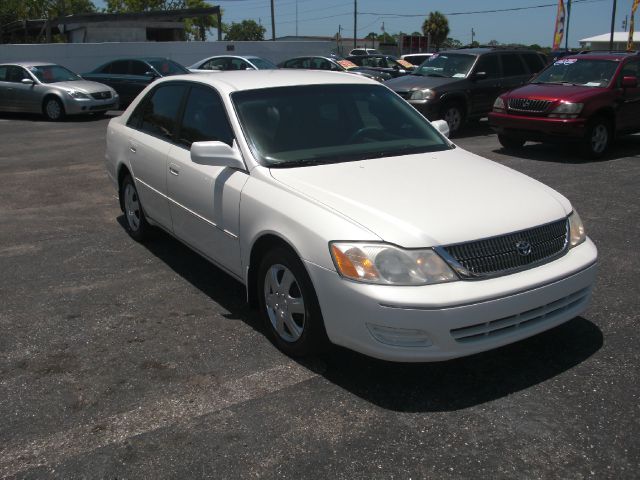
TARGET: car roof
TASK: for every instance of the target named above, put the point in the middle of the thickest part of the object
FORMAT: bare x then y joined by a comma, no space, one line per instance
601,56
234,81
28,64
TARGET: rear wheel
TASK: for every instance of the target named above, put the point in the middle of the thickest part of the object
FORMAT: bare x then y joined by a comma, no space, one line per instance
136,222
597,138
510,142
53,109
288,304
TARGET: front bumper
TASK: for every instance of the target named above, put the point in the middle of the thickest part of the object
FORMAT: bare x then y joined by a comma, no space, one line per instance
537,128
430,109
444,321
73,106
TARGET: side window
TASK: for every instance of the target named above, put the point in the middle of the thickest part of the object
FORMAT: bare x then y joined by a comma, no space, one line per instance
160,111
629,70
139,68
3,74
239,64
120,67
490,65
204,118
106,68
512,65
533,61
16,74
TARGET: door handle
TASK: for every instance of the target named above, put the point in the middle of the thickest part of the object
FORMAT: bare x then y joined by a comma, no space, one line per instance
174,171
132,147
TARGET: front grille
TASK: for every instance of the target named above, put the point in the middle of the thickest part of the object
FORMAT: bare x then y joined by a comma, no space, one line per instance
508,253
101,95
530,318
527,105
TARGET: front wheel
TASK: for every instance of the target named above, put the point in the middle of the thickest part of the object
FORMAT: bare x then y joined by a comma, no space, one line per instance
53,109
597,138
510,142
288,304
453,114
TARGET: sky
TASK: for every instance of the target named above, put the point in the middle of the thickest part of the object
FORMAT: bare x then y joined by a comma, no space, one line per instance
322,17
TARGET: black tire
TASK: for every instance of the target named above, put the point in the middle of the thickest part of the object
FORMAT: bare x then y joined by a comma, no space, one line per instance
53,109
510,142
598,138
279,297
454,114
134,218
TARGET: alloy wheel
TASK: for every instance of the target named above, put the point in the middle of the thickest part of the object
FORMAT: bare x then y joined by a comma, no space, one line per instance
54,110
284,303
132,207
453,117
599,138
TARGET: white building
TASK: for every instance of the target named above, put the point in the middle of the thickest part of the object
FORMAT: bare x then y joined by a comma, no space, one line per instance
601,42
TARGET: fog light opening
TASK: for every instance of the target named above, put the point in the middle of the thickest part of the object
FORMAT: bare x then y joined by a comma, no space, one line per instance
399,337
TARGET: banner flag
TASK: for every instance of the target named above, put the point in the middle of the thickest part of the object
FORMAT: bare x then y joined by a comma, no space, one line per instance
559,31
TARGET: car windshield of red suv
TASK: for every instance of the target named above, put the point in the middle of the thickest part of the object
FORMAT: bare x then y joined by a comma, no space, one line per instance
574,71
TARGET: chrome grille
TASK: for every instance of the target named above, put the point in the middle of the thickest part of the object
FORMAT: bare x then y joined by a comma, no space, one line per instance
528,105
101,95
530,318
508,253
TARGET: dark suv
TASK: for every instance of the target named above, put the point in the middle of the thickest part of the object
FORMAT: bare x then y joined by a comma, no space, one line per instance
587,98
457,85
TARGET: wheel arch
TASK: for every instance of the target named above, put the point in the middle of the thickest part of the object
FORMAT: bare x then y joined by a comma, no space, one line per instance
48,96
609,114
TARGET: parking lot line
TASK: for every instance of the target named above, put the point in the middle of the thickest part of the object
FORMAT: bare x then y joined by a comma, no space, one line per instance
171,411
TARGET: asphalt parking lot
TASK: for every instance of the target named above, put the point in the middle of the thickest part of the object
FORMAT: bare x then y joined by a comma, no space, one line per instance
121,360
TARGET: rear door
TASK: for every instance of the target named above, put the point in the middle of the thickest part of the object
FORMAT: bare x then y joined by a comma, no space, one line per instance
514,71
205,199
153,128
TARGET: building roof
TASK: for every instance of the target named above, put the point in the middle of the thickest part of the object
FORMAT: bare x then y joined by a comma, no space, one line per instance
617,37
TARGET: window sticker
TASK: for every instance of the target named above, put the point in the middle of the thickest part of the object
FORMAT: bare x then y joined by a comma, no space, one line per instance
565,61
458,75
347,64
404,63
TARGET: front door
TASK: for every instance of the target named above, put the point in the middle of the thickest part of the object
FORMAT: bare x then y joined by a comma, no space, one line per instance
485,89
205,199
629,98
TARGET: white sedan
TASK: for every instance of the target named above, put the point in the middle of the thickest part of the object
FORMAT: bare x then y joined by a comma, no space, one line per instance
348,217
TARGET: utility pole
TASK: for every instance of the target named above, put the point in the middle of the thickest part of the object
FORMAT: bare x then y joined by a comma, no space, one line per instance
355,23
473,34
625,22
296,18
613,24
566,33
273,24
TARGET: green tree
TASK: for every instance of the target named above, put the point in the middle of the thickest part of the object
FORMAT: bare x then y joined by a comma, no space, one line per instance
493,43
246,30
451,43
436,25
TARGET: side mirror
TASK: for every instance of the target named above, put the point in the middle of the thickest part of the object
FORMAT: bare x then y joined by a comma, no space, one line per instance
216,154
480,75
442,127
27,81
629,82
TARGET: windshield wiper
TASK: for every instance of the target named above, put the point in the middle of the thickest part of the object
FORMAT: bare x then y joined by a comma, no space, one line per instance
309,162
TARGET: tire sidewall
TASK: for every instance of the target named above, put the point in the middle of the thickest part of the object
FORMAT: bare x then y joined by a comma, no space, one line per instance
458,106
588,147
141,233
46,111
313,339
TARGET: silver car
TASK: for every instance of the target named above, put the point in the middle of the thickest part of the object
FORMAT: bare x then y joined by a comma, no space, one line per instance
53,90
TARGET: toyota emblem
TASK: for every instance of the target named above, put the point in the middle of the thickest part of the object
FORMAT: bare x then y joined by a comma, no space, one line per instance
523,248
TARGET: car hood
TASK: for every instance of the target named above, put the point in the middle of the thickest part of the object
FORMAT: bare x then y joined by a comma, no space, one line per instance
429,199
413,82
85,86
555,93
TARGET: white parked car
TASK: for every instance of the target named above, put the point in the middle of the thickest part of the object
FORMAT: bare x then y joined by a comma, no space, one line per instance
347,215
221,63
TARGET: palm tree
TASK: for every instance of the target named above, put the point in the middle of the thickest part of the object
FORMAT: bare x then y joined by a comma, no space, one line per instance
436,25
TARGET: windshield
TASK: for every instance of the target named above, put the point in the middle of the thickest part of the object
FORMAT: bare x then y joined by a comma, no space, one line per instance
167,67
309,125
573,71
262,64
53,74
450,65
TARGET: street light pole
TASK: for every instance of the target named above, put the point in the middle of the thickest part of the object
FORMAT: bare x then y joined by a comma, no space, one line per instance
566,33
613,24
355,23
273,24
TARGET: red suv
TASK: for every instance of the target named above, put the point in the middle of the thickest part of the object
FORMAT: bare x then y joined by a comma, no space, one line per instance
588,97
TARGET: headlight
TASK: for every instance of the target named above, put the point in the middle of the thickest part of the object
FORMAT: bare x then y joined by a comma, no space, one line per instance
425,94
389,265
566,110
498,105
77,94
577,234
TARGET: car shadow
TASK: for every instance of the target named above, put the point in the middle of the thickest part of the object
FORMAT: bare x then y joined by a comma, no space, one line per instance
473,128
568,152
442,386
35,117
